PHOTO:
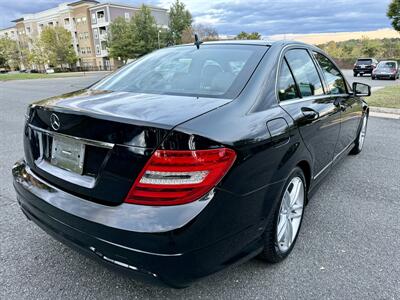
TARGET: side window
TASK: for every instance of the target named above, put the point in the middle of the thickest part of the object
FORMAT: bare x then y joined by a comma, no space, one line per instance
286,84
333,77
304,72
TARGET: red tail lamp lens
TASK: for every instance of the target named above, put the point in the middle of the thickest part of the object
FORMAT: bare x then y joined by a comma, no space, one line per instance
173,177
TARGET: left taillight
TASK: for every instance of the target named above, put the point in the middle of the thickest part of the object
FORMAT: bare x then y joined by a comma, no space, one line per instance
173,177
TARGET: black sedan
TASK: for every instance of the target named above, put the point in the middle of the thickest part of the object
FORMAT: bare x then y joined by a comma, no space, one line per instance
192,158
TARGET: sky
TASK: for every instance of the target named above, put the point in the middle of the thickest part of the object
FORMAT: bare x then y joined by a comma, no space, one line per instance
267,17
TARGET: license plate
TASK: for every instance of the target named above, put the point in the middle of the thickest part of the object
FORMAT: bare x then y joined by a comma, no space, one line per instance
68,153
362,66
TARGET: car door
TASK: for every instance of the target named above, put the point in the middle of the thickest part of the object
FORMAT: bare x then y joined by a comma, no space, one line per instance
350,106
313,110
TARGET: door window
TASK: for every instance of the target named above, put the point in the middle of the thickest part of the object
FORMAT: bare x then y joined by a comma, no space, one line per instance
286,84
332,75
304,72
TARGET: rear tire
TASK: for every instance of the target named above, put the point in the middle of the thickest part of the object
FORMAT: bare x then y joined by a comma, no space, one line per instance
284,225
359,142
355,74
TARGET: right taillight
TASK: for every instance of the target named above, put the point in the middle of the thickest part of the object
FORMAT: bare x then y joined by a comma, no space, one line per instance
173,177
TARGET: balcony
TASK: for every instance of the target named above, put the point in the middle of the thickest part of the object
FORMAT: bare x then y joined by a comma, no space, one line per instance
103,36
101,20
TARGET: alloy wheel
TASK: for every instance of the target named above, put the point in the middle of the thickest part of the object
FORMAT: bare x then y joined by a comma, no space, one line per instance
290,214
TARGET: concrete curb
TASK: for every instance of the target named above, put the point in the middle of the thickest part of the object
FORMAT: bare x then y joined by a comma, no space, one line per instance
382,112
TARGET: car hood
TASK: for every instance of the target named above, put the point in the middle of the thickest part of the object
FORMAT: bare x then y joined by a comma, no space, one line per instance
165,111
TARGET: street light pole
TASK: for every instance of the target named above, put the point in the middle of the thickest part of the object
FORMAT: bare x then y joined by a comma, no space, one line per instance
158,38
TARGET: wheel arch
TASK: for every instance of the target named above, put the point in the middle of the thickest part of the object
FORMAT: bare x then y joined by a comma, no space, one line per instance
306,168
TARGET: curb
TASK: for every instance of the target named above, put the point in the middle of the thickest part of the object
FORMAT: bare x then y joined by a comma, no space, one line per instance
382,112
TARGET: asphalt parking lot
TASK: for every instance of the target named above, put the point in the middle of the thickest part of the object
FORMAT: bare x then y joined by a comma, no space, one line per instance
348,246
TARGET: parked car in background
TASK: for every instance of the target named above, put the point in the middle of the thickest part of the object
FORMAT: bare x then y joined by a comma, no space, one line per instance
50,71
3,71
364,66
192,158
387,69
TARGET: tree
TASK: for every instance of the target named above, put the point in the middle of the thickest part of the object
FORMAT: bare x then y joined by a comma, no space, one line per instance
38,55
121,39
180,19
248,36
393,14
9,53
205,33
370,48
58,44
145,32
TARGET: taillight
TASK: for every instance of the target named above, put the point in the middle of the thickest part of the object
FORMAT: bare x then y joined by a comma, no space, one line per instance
173,177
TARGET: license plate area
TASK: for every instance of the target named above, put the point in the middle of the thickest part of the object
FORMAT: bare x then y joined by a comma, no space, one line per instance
67,153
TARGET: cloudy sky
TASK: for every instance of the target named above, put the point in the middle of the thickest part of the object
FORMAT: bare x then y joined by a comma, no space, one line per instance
265,16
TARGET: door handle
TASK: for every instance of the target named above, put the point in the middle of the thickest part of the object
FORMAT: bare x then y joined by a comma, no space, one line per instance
309,114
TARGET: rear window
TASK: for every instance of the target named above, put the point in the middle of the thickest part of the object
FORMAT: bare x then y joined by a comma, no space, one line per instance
364,62
387,65
219,71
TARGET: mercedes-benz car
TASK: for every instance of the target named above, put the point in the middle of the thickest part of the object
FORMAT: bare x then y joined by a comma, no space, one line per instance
191,158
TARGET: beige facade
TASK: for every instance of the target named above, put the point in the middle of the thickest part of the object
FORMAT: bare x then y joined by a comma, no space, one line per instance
87,21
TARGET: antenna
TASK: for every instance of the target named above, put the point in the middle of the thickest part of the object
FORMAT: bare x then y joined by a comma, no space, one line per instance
197,41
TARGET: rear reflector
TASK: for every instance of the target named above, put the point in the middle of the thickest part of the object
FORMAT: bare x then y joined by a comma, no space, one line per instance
173,177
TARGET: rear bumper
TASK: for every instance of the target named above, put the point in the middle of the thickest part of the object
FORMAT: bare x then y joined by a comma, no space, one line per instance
384,76
363,71
167,252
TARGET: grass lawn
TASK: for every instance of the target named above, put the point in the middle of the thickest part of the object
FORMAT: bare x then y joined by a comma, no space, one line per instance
386,97
22,76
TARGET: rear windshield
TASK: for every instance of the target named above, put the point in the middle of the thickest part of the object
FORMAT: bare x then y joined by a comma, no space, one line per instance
219,71
364,61
387,65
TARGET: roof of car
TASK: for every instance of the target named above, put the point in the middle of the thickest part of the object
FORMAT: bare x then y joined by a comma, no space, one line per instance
253,42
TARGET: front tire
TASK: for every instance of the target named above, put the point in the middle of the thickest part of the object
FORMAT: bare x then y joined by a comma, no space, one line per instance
283,228
359,142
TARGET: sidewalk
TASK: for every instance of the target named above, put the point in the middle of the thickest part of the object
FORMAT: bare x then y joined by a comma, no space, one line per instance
381,112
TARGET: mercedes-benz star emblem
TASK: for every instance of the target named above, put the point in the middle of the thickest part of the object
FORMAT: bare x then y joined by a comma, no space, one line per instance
55,122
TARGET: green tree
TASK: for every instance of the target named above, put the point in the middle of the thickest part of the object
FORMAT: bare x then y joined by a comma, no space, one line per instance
180,19
393,14
9,53
145,32
248,36
58,44
121,39
38,55
370,48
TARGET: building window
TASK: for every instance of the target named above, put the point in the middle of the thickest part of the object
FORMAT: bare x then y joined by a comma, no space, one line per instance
97,49
89,50
86,35
28,30
100,15
81,36
66,21
83,51
96,33
94,18
127,16
84,20
78,20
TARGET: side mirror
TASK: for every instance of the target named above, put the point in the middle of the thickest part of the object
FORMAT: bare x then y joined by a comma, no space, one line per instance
361,89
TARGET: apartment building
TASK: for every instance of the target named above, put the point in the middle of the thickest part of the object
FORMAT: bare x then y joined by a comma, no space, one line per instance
101,15
10,32
72,16
87,20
